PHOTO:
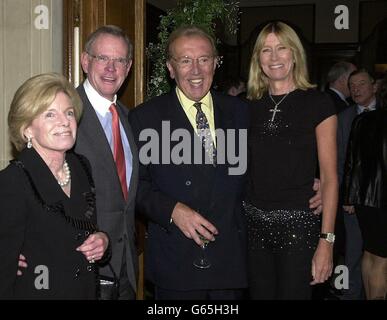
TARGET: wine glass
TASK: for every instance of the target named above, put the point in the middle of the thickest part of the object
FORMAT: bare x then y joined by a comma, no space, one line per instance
202,262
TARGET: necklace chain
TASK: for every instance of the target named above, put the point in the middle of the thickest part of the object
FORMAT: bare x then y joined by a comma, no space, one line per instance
279,102
67,173
276,104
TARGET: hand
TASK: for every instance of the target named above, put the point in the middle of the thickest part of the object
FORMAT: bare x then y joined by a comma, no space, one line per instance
94,247
349,209
21,264
315,202
322,262
191,223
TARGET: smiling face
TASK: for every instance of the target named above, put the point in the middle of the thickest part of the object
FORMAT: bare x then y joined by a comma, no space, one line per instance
276,60
106,79
194,80
53,131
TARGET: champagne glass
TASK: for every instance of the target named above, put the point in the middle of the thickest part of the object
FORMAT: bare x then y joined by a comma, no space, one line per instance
202,262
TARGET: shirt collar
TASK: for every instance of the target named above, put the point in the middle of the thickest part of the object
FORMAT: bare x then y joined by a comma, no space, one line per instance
188,103
99,103
371,106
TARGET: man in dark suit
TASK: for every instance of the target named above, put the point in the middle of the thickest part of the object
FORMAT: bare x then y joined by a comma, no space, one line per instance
191,196
362,89
105,138
338,84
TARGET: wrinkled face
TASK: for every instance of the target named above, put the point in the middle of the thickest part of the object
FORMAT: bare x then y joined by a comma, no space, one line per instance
192,65
106,77
362,89
54,130
276,60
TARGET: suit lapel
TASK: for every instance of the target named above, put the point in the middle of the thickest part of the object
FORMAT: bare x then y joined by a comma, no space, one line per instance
91,131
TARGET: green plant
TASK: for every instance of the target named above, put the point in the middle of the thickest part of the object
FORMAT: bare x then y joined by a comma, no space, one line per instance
203,13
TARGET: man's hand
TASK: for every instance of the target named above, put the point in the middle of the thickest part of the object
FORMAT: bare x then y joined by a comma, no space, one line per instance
192,224
94,247
22,264
315,202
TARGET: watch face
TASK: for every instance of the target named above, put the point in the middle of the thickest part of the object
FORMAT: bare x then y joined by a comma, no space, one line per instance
330,237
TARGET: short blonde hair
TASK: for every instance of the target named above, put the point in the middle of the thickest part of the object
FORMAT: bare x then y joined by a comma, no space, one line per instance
33,98
258,82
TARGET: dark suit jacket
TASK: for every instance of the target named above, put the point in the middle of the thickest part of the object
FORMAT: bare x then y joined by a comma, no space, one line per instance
46,236
207,189
339,103
345,120
115,215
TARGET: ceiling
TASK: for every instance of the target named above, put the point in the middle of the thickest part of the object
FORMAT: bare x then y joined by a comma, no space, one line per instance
168,4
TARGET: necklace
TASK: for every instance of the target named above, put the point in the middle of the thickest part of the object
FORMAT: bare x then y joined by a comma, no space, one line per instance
276,104
67,173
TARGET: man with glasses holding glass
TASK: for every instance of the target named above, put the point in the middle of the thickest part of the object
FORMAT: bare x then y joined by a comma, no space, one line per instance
196,203
105,138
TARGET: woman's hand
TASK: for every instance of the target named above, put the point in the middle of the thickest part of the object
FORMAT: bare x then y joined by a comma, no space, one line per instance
94,246
322,262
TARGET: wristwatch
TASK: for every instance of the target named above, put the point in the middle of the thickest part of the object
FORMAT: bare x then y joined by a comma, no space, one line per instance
329,236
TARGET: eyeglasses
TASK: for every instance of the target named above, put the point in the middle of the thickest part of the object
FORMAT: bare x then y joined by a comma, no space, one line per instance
104,60
187,62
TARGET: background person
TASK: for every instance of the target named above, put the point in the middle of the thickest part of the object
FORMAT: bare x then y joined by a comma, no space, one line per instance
362,88
338,88
365,193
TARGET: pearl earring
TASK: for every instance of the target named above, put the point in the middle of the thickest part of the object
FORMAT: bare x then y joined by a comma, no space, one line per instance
29,143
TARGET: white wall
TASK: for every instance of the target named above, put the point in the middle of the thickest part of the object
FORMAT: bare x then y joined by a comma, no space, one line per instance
25,51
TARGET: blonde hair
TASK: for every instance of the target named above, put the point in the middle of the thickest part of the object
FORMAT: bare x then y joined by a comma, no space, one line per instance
258,82
34,97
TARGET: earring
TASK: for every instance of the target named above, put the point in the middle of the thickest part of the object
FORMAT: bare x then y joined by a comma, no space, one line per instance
29,143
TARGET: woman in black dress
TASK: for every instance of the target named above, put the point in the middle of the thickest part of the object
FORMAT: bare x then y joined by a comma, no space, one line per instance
47,202
292,130
365,191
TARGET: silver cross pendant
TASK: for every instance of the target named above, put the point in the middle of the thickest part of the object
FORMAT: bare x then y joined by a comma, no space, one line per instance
275,110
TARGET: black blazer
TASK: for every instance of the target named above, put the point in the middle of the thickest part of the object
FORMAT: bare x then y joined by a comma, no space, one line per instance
45,230
210,190
365,174
115,215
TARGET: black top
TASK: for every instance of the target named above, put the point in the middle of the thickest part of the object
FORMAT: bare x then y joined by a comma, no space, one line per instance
365,173
40,221
283,152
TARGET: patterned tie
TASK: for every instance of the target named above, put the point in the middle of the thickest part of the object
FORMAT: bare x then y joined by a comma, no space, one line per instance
204,132
118,154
